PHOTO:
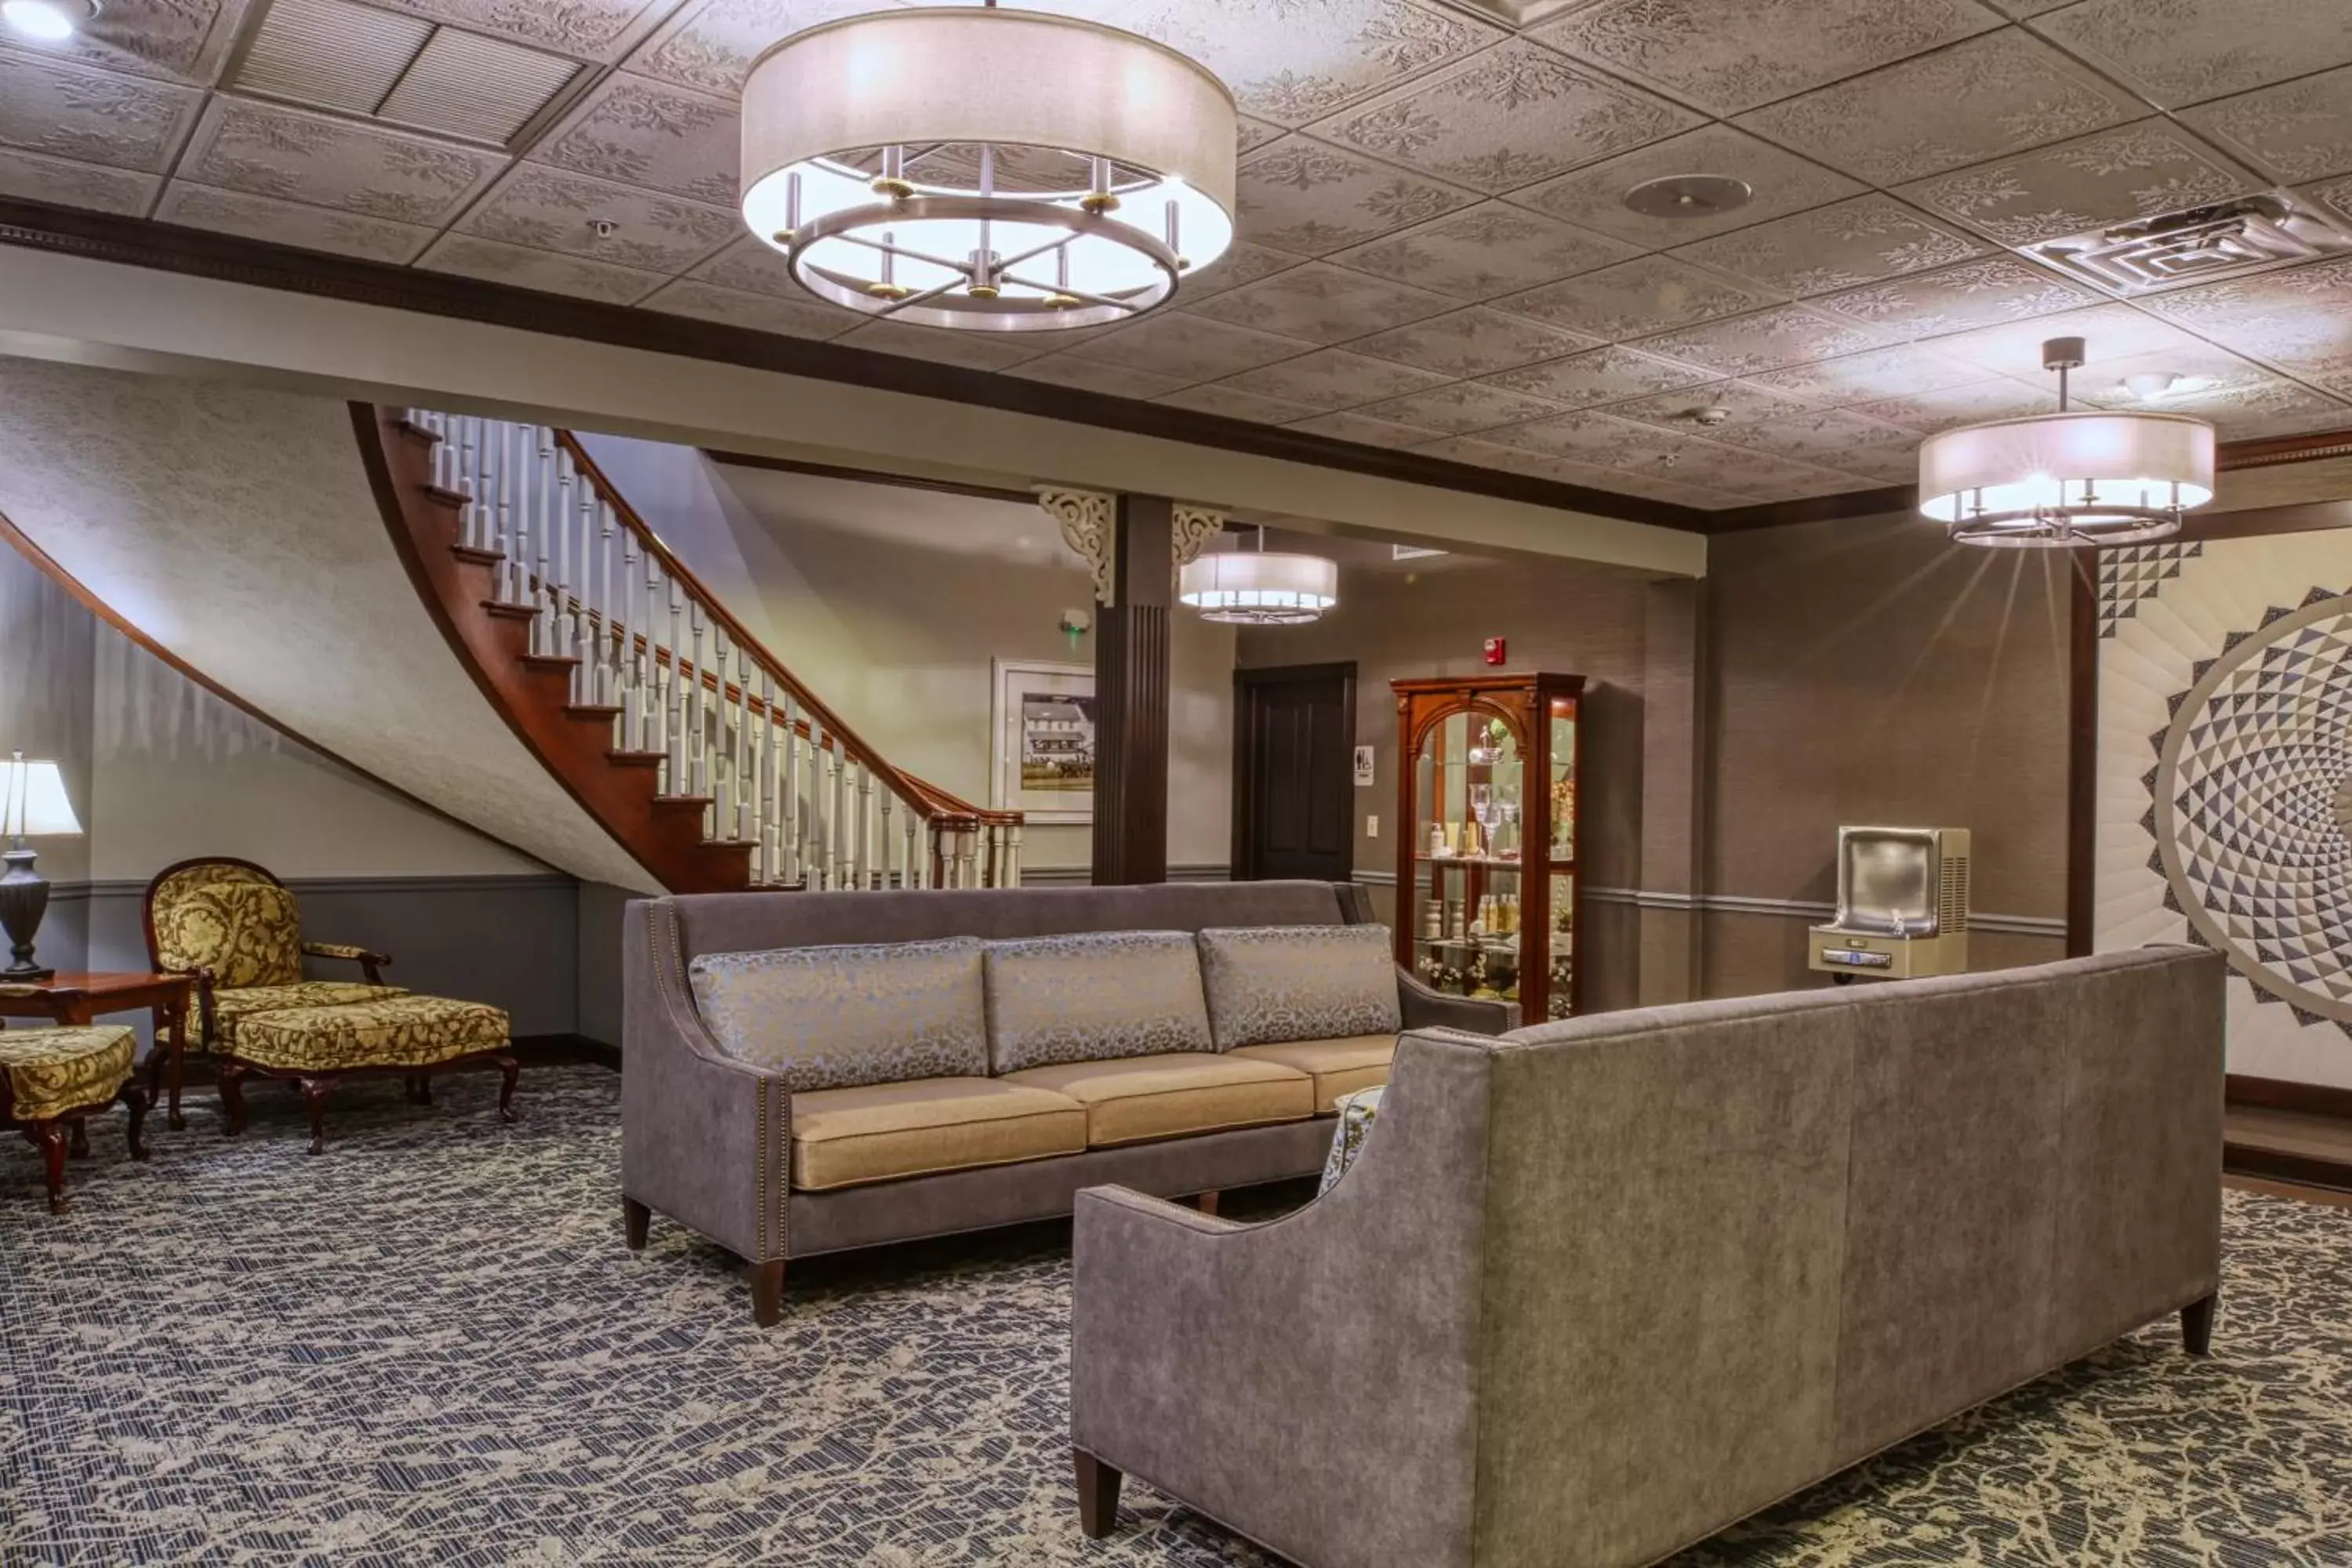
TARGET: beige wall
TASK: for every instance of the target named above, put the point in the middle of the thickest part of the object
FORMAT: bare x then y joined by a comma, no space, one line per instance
1867,671
891,604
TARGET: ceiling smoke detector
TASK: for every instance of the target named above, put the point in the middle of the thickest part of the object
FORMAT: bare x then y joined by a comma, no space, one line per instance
1689,195
2197,244
1709,417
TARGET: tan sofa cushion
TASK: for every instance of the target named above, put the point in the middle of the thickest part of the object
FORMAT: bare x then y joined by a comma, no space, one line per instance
1136,1098
1271,985
875,1133
1338,1067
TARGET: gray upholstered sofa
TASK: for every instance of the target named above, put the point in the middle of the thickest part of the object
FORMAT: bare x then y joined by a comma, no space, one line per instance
1593,1290
811,1072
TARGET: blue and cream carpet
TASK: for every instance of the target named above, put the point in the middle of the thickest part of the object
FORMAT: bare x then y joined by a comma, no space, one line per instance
430,1347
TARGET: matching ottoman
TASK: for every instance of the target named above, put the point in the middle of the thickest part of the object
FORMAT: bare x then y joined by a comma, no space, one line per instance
51,1080
411,1037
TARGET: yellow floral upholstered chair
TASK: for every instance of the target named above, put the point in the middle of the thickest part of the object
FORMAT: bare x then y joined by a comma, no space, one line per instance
233,927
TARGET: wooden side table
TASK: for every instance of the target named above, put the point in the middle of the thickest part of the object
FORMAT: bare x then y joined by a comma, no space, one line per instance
79,996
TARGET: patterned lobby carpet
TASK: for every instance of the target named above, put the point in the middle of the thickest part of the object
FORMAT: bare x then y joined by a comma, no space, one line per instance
430,1346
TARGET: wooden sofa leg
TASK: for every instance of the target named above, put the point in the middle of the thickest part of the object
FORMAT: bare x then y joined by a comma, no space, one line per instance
1205,1202
2197,1324
1097,1495
767,1293
635,1220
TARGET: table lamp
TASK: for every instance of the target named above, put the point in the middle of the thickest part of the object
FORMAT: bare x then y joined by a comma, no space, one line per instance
33,804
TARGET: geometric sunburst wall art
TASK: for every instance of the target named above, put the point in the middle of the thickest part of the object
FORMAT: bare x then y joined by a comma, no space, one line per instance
2225,780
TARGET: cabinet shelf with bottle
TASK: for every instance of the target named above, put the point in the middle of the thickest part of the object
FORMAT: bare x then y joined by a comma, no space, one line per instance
1486,874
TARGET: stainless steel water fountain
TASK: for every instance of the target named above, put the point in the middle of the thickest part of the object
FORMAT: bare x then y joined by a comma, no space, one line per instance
1903,905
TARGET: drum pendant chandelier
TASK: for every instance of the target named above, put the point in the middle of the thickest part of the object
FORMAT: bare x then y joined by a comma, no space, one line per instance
2064,480
1253,588
985,169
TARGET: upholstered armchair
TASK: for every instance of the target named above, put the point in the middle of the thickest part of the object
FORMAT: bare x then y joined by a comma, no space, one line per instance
234,927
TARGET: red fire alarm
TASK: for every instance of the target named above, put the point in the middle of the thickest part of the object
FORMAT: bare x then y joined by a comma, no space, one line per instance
1495,650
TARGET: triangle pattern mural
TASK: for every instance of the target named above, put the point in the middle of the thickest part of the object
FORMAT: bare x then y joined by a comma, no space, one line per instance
2131,573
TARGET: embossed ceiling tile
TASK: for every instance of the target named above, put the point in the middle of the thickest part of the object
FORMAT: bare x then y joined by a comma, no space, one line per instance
1971,403
1743,471
710,44
1190,348
1364,430
940,345
1233,403
755,313
72,111
1648,294
2335,195
550,209
1291,61
1879,373
599,30
644,132
1729,55
541,269
269,150
1239,265
1957,298
1589,437
1594,195
1331,379
2238,396
2277,408
1472,342
1992,95
2109,331
180,40
1249,135
1604,376
2023,8
1094,375
1462,407
1743,403
1829,438
292,223
66,183
1837,247
1650,484
1488,250
750,265
2138,171
1482,454
2185,51
2298,319
2297,131
1322,304
1508,118
1766,339
1302,196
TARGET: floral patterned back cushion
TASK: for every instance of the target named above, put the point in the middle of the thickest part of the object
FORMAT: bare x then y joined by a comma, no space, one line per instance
841,1017
246,932
1092,996
1270,984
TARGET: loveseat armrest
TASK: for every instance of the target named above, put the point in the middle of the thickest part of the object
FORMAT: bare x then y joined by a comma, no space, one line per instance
371,961
705,1138
1425,1007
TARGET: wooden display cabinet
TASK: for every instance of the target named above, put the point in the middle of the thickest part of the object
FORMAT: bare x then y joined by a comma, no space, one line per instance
1487,885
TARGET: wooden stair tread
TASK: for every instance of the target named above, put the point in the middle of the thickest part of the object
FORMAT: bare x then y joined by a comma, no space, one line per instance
620,758
511,611
591,710
476,552
552,660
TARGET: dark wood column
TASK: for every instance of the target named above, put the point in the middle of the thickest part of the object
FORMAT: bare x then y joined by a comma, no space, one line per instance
1131,655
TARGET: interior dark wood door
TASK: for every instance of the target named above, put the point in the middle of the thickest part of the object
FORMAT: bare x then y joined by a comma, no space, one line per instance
1294,759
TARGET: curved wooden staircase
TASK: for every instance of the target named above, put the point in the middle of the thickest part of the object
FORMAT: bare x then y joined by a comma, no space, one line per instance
669,723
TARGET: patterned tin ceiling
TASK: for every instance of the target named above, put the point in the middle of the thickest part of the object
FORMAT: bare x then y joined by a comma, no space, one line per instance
1435,251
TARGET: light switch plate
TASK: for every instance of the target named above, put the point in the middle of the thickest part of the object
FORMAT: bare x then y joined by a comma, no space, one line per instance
1371,827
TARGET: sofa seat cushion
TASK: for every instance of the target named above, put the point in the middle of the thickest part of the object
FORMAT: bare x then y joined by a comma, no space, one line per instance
876,1133
1092,996
231,1007
840,1017
1338,1067
1268,985
1134,1099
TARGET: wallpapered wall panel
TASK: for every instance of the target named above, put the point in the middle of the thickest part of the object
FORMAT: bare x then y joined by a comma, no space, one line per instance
2225,780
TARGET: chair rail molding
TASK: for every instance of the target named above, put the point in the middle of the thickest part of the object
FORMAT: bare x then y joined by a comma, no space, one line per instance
2052,927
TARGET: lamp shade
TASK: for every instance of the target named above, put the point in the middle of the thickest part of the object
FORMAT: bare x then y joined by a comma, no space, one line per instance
1256,588
33,802
2138,464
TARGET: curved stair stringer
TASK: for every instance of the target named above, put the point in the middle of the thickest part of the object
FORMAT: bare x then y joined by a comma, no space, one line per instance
229,530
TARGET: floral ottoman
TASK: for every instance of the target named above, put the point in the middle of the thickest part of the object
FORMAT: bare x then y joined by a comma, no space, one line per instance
51,1080
412,1037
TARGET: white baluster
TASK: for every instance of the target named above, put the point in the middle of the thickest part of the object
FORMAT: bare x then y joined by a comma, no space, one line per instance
504,543
698,715
608,648
545,518
788,797
1012,877
836,856
864,824
820,825
886,843
673,725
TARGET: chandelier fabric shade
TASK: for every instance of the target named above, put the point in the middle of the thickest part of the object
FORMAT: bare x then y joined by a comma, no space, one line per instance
991,169
2091,477
1259,588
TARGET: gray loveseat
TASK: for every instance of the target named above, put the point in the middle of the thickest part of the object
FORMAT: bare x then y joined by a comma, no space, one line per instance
811,1072
1595,1289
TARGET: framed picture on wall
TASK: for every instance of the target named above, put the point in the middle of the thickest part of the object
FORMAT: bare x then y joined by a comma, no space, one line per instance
1042,758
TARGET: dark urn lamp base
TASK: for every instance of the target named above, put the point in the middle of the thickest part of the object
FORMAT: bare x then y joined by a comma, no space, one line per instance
24,900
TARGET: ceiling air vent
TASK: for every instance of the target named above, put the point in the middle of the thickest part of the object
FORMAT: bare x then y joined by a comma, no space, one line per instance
401,69
2201,245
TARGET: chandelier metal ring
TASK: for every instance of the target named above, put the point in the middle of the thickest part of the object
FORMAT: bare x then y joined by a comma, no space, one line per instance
2036,526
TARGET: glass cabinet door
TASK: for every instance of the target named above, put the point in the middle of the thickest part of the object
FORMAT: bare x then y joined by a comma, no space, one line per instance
1470,779
1560,990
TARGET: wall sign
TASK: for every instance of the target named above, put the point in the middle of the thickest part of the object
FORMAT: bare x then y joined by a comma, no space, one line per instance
1363,765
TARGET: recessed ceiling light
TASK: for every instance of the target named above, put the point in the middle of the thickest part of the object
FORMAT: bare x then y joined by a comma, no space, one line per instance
1689,195
48,21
